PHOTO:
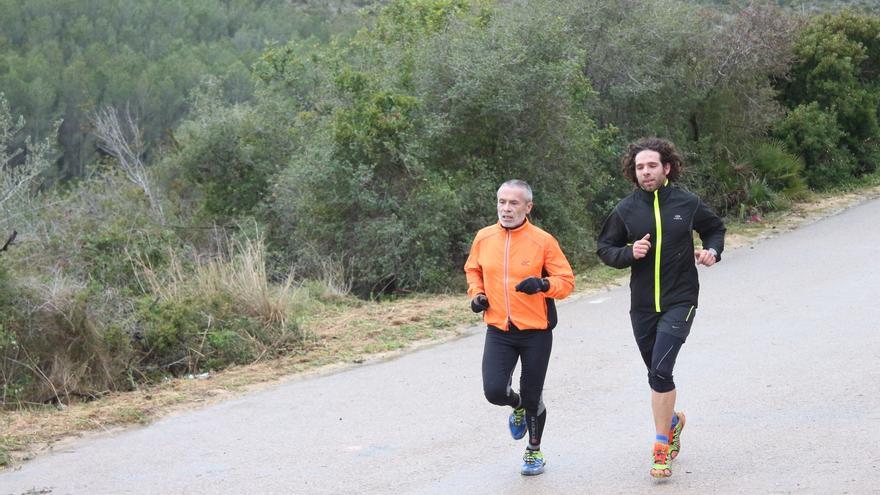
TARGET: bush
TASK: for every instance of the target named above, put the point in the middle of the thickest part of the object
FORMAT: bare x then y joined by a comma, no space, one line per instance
194,334
227,157
211,314
65,340
714,174
74,320
759,197
90,234
838,56
681,71
813,134
15,381
777,168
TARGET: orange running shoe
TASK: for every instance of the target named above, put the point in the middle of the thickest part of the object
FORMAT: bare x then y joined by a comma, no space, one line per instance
660,469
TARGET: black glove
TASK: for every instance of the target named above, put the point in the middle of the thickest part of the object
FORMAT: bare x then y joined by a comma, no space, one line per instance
479,303
533,285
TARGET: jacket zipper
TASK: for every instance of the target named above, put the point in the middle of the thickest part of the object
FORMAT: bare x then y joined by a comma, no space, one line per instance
506,278
657,252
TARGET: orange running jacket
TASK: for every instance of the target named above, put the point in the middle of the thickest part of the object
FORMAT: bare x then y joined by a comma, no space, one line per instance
501,258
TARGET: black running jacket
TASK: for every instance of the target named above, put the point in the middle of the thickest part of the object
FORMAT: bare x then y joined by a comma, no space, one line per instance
667,276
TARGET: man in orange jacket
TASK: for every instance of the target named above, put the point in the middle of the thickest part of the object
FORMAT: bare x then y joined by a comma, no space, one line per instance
514,272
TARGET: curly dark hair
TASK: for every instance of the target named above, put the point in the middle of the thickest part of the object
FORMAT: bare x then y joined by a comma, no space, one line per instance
668,156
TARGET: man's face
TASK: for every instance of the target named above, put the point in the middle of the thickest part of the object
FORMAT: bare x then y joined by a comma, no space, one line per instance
650,173
512,206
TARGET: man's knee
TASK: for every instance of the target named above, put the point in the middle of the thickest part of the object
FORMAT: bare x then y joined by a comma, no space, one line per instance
660,382
498,395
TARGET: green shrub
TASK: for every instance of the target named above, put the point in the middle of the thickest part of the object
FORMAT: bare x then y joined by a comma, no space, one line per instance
216,312
777,168
195,334
813,134
91,233
15,379
760,197
226,156
837,59
65,340
108,251
713,174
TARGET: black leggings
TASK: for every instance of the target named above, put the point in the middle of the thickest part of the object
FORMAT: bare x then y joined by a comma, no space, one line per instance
500,354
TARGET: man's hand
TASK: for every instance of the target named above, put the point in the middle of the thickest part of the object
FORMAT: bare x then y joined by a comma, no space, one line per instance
704,257
641,247
479,303
533,285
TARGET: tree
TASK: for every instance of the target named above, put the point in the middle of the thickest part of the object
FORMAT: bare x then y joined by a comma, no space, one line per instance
123,140
837,67
426,116
67,60
20,168
665,67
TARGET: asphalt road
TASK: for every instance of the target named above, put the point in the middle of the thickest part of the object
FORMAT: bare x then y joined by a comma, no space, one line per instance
780,380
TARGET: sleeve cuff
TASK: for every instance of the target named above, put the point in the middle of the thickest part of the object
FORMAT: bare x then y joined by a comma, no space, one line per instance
714,253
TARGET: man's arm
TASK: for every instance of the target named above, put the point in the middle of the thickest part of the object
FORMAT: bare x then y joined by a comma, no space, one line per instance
474,272
711,229
559,273
611,245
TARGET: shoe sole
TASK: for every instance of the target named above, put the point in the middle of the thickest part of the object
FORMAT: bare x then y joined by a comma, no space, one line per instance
535,473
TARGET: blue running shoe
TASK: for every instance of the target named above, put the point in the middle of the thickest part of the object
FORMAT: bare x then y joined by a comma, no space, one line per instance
517,423
533,463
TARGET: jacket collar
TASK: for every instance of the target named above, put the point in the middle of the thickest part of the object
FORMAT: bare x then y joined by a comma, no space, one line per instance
521,227
663,192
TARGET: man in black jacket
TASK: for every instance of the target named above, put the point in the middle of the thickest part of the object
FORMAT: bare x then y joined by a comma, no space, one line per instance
651,231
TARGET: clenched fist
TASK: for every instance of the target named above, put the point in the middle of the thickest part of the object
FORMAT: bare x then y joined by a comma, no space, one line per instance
641,247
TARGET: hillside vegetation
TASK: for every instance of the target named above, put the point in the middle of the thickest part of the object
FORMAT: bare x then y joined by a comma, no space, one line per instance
207,192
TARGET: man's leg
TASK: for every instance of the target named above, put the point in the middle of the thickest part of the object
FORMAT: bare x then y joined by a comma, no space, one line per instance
666,349
535,357
663,396
672,329
499,359
500,354
663,407
654,349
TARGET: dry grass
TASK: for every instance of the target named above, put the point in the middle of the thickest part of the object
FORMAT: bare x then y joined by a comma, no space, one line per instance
341,334
241,273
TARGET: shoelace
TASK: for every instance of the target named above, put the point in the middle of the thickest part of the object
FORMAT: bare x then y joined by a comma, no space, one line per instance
660,456
531,457
518,416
